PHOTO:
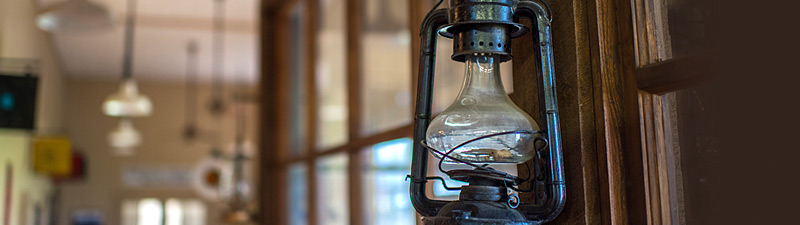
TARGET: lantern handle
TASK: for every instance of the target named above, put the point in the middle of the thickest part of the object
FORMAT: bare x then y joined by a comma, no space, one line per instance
419,161
553,204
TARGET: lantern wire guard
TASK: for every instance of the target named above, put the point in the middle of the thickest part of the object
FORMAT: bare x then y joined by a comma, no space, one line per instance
509,181
486,200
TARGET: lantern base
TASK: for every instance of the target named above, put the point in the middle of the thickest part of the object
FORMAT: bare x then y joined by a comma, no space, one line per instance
484,201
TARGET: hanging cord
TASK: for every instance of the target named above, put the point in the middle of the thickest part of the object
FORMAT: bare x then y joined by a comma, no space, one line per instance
190,111
218,53
127,55
239,156
219,49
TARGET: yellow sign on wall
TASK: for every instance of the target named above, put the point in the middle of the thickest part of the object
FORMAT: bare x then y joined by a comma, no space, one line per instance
52,156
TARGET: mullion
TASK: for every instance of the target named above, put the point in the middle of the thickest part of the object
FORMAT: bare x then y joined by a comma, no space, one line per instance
354,105
357,144
311,103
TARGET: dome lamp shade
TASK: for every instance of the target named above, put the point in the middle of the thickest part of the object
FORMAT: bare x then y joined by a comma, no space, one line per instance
75,16
127,102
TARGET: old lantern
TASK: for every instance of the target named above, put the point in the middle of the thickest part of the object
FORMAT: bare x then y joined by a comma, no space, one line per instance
483,127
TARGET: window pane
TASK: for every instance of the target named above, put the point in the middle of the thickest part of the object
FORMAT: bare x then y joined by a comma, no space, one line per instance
386,196
194,212
667,29
687,25
330,74
174,211
680,150
695,151
385,66
298,198
298,82
449,76
129,212
332,196
150,212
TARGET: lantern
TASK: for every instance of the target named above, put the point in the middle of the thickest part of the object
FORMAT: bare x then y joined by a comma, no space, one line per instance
483,127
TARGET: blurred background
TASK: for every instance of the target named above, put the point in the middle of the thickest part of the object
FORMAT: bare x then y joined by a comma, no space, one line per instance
205,112
74,161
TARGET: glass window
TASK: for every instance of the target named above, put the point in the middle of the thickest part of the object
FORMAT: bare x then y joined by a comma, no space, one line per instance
297,197
194,212
150,212
331,74
688,20
298,81
332,194
668,29
174,212
129,212
385,66
386,195
690,154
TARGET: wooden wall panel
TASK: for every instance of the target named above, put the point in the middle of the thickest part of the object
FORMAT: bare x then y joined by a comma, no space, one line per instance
576,106
617,104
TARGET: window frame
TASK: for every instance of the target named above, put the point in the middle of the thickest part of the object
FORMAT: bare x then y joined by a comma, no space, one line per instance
599,85
275,76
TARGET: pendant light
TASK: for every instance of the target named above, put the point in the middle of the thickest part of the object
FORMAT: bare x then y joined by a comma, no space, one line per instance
238,212
217,105
128,102
190,123
124,138
75,16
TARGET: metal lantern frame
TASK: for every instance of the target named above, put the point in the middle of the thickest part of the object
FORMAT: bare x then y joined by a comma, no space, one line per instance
487,27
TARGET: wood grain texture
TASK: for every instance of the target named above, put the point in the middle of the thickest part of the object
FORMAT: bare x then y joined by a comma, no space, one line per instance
613,68
575,93
270,199
676,74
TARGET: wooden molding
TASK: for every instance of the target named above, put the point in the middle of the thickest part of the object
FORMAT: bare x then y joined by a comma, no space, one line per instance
676,74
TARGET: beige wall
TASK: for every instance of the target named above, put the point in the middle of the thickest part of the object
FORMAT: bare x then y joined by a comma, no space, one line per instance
103,188
19,38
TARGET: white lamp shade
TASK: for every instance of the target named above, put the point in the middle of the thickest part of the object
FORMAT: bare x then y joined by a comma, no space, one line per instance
127,102
124,138
75,16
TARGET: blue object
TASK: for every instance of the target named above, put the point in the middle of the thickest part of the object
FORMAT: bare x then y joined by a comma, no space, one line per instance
7,101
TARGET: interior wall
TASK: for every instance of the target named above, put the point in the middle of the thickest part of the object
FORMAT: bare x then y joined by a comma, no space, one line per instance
20,38
103,188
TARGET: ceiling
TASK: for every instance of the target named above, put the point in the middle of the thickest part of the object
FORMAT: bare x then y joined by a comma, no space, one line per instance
162,32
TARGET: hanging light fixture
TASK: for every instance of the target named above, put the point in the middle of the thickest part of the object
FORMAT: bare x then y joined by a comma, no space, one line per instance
217,104
483,128
190,123
127,101
124,138
75,16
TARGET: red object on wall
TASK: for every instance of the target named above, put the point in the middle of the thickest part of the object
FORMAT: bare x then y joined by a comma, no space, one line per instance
78,169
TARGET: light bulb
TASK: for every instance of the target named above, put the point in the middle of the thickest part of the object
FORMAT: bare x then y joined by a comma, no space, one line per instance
127,102
124,138
483,108
75,16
